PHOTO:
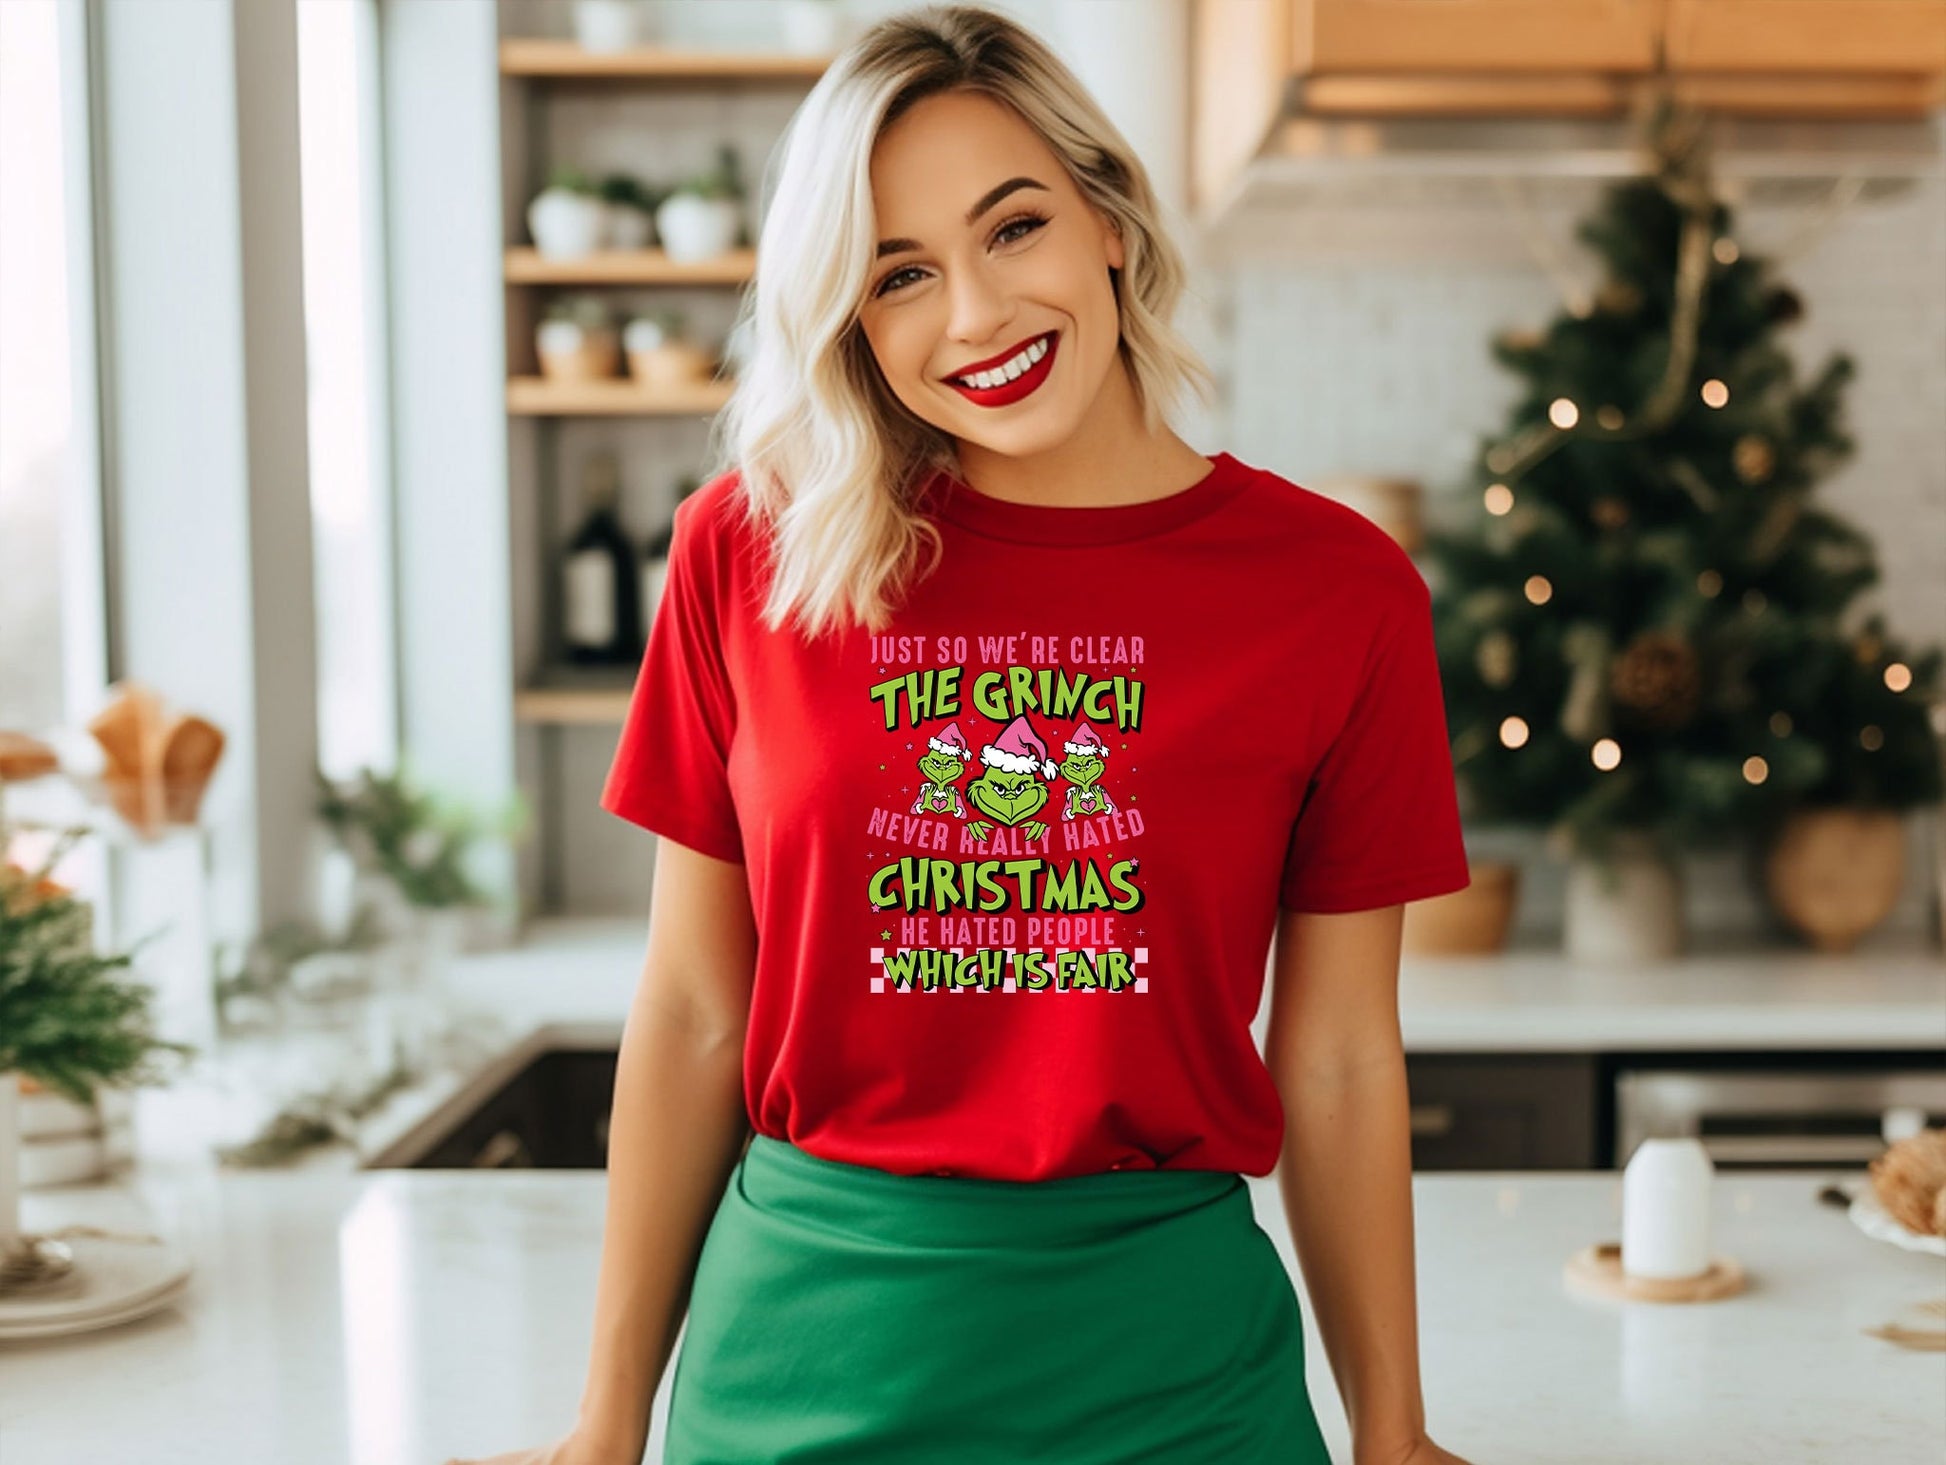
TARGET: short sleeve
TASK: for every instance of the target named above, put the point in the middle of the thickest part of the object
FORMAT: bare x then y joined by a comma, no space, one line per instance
670,772
1379,823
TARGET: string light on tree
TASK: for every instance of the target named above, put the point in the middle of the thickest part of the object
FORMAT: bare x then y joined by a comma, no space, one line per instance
1898,676
1709,584
1513,732
1606,754
1725,251
1499,499
1871,737
1715,394
1780,724
1538,590
1563,413
1755,770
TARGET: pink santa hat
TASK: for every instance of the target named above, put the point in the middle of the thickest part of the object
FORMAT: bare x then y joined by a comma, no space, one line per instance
1087,742
1019,749
950,740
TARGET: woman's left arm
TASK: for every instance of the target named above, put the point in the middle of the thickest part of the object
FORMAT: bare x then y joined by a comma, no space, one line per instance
1334,1050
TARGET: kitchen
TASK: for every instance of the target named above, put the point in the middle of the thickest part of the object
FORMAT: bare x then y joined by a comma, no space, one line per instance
336,754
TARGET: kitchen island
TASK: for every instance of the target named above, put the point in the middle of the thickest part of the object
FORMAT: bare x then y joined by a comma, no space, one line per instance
389,1316
347,1317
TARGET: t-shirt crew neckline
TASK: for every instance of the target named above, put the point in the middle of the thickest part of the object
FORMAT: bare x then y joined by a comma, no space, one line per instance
962,504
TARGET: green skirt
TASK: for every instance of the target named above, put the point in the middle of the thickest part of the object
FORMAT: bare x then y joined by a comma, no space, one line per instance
842,1313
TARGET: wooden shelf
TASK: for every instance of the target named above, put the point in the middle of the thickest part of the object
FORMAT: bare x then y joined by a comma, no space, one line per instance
572,706
528,266
539,396
543,58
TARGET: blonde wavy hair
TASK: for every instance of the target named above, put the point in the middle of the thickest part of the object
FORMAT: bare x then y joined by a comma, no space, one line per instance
831,461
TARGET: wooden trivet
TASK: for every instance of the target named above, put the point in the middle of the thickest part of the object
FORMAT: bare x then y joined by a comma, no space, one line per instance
1597,1271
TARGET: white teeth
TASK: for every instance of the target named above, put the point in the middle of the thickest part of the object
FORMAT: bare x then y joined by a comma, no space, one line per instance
1008,370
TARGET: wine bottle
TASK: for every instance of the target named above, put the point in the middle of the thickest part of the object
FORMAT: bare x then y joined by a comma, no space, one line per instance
601,618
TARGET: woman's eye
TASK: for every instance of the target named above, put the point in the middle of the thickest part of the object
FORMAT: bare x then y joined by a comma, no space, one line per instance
1032,222
1027,223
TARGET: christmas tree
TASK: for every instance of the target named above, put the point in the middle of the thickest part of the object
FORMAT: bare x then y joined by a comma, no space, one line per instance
1645,631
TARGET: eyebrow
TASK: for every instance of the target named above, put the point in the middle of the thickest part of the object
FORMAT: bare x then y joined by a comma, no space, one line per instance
986,201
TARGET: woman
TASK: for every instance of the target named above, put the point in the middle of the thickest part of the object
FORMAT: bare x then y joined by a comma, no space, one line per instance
992,732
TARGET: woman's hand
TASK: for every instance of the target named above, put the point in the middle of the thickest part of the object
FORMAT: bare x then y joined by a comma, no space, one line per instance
1421,1451
575,1449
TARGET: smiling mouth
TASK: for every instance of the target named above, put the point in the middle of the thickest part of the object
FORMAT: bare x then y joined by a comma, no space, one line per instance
1044,340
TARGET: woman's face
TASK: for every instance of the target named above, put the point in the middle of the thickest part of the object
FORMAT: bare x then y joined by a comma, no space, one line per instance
988,251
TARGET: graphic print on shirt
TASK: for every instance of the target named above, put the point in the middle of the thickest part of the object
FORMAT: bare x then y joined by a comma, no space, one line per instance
1006,870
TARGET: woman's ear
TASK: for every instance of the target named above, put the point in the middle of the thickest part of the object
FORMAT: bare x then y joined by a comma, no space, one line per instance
1114,245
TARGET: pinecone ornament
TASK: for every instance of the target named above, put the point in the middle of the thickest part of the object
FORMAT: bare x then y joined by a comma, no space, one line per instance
1618,297
1656,680
1754,458
1497,658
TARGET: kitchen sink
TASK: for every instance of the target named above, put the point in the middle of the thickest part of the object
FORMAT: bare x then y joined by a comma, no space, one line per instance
541,1108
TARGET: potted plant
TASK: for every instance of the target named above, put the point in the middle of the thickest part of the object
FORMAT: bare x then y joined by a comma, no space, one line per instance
576,340
607,26
631,212
809,27
410,850
67,1024
568,218
702,217
659,355
1834,863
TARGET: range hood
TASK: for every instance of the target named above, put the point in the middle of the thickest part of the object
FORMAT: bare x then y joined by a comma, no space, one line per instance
1339,159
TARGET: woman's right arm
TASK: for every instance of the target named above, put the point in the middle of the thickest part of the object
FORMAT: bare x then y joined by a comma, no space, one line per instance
676,1131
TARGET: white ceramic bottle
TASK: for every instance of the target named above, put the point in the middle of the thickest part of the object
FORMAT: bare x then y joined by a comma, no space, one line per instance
1666,1209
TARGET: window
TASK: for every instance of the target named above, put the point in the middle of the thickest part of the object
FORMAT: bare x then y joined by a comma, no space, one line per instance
53,622
344,314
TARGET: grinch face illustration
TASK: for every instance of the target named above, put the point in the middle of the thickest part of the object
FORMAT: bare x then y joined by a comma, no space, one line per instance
1011,789
1082,768
942,763
1087,759
941,767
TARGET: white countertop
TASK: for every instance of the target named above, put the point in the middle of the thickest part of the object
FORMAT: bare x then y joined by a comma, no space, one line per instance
399,1317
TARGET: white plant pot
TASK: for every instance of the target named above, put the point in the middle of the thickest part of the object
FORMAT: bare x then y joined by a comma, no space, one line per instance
808,27
607,25
694,228
566,224
1627,909
629,227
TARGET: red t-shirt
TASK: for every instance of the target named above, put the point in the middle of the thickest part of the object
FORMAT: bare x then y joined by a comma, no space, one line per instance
1071,783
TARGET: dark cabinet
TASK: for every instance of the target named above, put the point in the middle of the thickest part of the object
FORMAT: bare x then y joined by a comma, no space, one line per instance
1469,1111
1505,1111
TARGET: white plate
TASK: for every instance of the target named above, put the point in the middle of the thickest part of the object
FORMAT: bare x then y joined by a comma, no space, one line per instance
1874,1220
110,1277
55,1327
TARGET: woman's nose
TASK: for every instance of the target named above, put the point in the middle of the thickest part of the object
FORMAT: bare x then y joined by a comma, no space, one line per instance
979,308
